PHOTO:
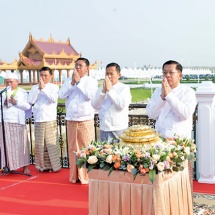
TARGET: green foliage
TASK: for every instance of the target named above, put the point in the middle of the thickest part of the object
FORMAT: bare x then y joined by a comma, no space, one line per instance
190,81
61,101
188,78
136,82
90,167
152,174
156,81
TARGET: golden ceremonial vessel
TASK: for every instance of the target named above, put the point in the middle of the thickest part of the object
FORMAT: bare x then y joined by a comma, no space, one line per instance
140,134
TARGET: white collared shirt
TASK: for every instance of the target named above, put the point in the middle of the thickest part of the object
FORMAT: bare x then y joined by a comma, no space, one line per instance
174,115
16,113
45,102
78,98
113,107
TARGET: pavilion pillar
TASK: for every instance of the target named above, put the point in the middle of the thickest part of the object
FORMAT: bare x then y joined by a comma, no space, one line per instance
52,76
29,72
60,75
38,75
34,74
21,76
205,94
67,72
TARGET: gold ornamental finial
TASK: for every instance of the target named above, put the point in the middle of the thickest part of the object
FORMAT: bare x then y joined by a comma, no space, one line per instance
51,40
21,56
30,37
68,41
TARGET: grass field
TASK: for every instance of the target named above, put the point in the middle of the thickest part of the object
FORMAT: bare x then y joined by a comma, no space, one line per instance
138,94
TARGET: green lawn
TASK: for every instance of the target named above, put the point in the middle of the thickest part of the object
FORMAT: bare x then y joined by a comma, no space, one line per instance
138,94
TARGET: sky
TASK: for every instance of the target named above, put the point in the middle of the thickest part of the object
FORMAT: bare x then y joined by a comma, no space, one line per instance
132,33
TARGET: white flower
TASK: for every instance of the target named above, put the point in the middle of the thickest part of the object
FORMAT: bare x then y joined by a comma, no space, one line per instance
187,150
179,148
172,147
147,155
109,159
156,157
160,166
175,154
90,147
126,150
129,167
108,151
92,159
194,150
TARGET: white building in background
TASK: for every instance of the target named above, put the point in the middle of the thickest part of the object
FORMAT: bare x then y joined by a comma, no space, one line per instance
137,73
145,73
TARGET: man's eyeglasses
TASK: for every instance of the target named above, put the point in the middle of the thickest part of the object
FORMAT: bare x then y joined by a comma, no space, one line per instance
170,73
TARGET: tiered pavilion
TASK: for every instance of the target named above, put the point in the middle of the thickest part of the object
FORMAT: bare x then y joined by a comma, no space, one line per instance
58,56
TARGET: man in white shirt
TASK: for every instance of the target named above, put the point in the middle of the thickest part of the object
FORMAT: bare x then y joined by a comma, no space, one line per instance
78,92
44,97
15,104
112,100
172,105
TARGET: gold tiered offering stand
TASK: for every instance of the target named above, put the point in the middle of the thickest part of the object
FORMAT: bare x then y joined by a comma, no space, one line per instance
139,135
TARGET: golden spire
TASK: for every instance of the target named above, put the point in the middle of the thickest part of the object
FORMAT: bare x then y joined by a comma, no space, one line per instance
68,41
30,37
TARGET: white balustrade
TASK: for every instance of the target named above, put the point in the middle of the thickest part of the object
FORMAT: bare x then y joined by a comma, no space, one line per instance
205,94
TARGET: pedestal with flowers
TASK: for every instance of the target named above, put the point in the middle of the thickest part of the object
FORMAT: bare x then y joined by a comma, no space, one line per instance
153,174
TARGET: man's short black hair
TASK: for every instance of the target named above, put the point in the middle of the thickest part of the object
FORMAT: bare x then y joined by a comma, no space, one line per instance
87,62
178,65
46,68
118,69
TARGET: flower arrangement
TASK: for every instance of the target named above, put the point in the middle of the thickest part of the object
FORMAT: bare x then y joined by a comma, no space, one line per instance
166,155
